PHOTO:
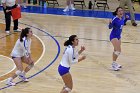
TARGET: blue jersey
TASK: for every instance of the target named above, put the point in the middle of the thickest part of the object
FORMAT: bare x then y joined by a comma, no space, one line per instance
116,26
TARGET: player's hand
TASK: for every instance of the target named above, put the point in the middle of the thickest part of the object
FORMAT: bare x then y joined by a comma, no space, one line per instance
83,57
18,5
127,16
110,21
82,48
8,11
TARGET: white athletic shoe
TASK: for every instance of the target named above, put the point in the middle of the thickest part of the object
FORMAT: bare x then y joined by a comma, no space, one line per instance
7,32
23,78
66,9
9,82
115,66
72,7
18,30
24,6
119,66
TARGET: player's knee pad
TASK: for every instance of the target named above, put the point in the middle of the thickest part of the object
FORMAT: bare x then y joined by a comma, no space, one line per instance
30,65
117,53
68,89
18,72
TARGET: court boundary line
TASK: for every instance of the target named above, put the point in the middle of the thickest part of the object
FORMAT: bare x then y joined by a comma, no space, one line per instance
101,40
57,43
14,66
35,62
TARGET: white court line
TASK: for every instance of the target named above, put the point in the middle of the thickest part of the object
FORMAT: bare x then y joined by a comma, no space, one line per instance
35,62
43,49
12,62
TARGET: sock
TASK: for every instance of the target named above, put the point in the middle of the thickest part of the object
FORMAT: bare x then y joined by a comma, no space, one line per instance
72,6
114,61
23,73
67,7
10,79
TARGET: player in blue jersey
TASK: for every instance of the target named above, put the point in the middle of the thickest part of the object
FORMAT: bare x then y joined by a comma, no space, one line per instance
116,24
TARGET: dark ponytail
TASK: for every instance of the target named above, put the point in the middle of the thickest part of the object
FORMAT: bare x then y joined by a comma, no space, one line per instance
24,33
69,42
115,12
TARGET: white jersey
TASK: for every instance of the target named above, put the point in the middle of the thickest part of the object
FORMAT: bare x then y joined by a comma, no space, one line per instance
9,2
70,56
21,48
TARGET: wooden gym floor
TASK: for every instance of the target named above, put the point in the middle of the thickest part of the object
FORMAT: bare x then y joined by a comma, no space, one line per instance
92,75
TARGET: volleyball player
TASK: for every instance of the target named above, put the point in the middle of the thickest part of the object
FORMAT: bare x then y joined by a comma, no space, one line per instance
70,56
116,24
21,53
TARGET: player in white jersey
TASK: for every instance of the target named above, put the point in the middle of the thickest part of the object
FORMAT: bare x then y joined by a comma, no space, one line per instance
21,53
70,56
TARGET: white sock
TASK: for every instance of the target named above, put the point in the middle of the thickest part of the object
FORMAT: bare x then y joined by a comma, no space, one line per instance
23,73
10,78
67,7
114,62
72,5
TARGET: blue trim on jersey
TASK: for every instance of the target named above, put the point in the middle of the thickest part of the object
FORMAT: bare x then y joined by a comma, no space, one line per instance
73,57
